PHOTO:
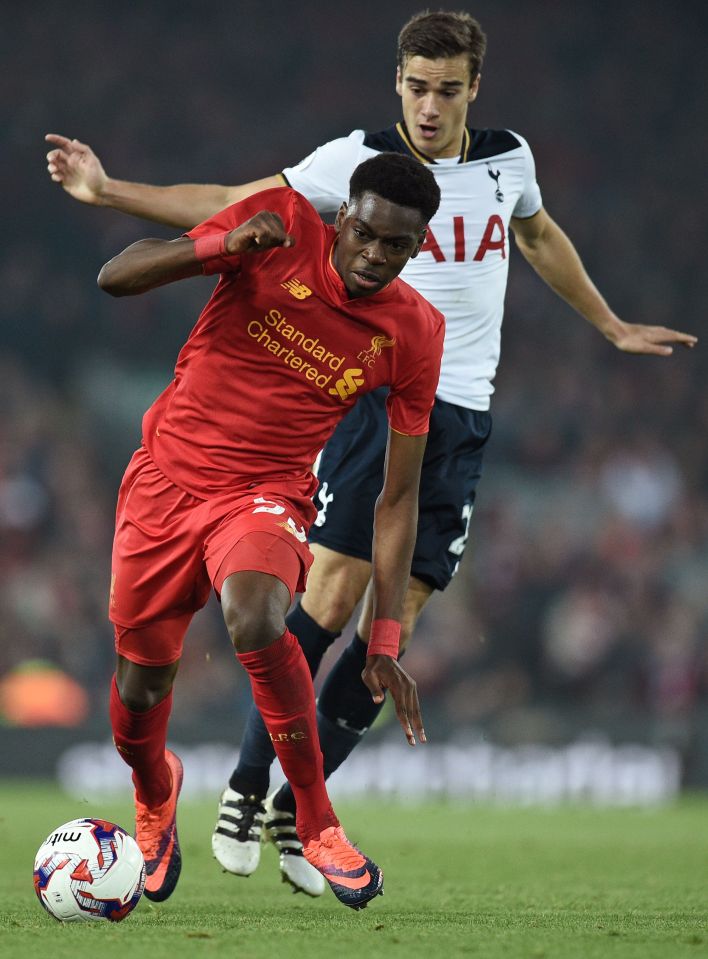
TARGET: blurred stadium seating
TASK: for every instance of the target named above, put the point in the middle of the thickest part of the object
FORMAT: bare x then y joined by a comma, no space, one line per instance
582,604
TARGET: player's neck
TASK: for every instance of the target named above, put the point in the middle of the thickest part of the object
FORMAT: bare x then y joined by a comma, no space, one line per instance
453,151
457,150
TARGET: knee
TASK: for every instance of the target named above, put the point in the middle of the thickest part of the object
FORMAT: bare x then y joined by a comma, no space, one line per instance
333,610
407,627
412,608
252,627
140,688
331,600
416,598
138,700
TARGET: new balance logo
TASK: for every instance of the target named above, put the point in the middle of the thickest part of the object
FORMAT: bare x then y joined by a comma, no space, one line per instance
297,289
347,385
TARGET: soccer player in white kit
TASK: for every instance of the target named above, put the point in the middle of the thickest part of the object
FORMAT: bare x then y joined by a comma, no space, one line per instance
488,185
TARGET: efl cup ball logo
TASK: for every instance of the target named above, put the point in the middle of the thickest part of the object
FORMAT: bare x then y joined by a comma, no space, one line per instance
89,869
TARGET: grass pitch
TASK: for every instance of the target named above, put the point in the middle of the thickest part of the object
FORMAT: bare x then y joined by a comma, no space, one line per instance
570,883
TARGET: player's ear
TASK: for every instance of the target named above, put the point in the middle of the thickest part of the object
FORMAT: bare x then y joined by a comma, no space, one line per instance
340,217
474,89
399,81
420,241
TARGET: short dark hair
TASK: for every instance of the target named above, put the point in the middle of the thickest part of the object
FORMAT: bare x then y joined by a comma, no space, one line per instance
442,34
399,179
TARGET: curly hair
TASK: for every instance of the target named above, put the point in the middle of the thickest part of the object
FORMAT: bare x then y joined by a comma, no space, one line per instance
399,179
442,34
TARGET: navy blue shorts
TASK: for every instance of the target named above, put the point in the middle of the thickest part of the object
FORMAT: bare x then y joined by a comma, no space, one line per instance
350,475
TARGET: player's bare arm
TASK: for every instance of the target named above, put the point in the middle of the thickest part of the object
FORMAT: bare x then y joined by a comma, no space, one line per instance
151,263
80,172
553,256
394,537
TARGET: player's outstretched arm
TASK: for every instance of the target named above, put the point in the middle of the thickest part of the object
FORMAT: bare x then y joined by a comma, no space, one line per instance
150,263
80,172
395,526
555,259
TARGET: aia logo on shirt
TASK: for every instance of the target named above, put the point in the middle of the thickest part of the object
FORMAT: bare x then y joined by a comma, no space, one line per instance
378,343
492,241
297,288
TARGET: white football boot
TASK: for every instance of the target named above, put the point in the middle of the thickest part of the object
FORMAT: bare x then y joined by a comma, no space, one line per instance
279,828
236,840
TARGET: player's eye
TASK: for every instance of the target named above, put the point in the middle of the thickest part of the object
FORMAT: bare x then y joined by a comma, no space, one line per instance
361,234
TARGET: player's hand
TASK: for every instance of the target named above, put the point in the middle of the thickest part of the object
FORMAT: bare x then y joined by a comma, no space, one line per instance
77,168
262,232
656,340
384,672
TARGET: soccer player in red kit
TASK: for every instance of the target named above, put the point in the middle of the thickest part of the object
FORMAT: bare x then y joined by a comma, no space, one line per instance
305,318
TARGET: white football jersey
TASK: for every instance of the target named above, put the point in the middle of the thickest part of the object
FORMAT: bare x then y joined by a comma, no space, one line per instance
463,265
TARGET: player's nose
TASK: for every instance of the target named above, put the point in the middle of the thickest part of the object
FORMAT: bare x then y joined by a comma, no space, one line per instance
374,253
429,106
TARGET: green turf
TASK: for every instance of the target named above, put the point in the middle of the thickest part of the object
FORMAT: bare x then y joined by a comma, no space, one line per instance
460,881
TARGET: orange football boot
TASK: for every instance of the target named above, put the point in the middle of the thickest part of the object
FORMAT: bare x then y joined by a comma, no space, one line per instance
156,834
354,878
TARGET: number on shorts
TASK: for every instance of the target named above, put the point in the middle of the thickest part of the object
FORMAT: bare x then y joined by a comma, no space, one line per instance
298,531
268,507
457,546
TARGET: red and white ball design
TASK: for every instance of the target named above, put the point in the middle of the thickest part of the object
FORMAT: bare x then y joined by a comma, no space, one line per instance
89,869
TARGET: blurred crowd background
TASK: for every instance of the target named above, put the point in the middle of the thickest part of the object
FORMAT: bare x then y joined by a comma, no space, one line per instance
582,602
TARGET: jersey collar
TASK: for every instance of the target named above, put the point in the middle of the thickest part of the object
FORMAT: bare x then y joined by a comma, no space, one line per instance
407,143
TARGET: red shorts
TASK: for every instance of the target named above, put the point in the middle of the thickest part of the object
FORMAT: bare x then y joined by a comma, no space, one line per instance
170,548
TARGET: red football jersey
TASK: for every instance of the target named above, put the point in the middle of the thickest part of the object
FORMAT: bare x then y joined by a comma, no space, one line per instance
280,354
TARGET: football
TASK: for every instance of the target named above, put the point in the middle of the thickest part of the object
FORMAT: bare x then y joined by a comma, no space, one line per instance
89,869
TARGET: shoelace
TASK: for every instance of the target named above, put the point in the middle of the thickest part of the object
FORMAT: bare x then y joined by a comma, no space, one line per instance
345,857
250,808
148,824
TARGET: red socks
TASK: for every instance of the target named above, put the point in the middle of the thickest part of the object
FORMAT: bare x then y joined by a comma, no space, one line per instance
140,738
284,694
285,697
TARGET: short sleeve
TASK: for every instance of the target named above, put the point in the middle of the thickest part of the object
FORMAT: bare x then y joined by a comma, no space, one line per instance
412,394
530,201
279,200
323,176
